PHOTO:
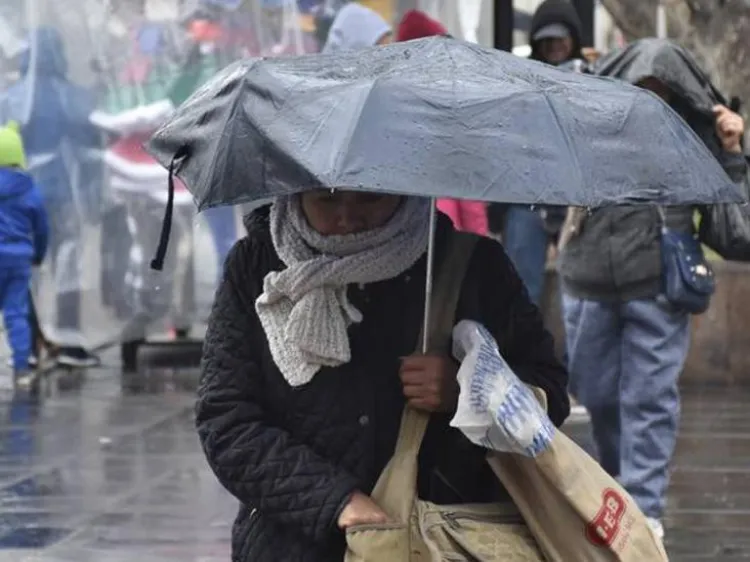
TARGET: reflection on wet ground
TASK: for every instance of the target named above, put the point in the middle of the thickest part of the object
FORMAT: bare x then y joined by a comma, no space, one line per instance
95,475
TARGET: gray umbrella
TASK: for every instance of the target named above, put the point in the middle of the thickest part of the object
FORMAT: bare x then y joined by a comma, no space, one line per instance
435,117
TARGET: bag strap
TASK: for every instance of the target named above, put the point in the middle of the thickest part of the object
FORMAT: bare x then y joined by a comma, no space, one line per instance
396,488
447,291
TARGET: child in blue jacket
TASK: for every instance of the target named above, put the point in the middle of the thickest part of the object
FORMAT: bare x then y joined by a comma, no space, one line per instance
24,233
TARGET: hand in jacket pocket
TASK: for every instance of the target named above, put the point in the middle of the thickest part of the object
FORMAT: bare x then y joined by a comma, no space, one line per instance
361,510
429,383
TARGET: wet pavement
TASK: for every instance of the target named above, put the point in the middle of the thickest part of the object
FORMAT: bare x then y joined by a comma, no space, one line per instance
98,475
95,476
708,512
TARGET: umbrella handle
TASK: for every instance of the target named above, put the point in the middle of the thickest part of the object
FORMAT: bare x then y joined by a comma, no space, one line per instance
429,276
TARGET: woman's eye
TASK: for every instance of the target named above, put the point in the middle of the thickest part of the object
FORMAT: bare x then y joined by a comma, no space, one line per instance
327,197
370,198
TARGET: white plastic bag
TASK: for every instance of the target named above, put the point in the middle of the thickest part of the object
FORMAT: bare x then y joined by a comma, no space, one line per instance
495,409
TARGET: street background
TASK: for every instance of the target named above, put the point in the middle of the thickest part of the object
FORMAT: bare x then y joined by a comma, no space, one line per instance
97,473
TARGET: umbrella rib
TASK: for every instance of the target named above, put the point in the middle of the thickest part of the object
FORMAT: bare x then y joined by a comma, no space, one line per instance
228,122
568,140
353,131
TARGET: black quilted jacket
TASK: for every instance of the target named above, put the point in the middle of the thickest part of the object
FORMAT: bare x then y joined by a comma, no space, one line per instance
292,456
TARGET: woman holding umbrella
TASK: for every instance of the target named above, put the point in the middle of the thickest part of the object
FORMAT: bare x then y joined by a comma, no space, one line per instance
309,364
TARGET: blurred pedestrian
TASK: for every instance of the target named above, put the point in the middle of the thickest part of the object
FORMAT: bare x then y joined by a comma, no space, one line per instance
555,39
555,32
627,343
62,148
469,216
416,24
24,234
357,27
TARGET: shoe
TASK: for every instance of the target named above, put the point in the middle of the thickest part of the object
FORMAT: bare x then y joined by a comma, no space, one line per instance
25,380
656,527
578,412
33,362
77,357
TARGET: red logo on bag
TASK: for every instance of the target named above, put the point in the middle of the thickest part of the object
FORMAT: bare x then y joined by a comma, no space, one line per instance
603,529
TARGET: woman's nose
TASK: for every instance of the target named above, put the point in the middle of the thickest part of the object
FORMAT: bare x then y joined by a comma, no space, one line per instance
350,220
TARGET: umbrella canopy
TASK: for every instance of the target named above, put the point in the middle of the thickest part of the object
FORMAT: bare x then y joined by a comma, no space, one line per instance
434,117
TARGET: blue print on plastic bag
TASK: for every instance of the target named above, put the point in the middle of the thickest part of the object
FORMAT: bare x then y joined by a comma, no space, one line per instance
542,440
518,405
487,368
519,410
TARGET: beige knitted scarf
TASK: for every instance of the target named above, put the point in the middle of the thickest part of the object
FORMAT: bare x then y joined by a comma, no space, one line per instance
304,309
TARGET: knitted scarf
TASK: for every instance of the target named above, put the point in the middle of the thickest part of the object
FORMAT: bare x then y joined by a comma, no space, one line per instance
304,309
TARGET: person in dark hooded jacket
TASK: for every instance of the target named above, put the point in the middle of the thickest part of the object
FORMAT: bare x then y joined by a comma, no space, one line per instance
555,34
627,344
308,363
555,38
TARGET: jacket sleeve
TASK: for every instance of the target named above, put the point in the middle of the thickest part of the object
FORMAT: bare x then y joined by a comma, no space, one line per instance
504,308
735,165
40,225
261,464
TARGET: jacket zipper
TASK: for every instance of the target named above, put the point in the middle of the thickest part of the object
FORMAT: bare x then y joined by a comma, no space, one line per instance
453,518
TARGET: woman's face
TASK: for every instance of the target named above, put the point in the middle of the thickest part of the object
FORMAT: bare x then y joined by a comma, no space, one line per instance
347,212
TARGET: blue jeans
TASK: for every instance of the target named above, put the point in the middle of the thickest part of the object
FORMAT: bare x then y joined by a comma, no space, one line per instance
14,299
624,360
525,241
223,229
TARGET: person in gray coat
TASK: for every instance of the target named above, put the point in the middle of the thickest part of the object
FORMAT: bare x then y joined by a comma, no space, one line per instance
626,343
